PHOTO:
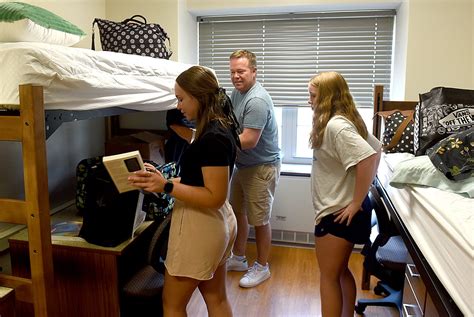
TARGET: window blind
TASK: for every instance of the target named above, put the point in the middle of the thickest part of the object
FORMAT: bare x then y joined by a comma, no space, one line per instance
292,48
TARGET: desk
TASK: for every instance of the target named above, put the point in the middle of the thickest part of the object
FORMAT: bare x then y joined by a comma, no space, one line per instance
88,277
7,301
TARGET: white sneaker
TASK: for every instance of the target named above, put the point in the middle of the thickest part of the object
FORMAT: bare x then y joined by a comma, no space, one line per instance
234,264
255,275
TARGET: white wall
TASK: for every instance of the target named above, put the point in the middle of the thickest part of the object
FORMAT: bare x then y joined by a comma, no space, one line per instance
293,206
399,57
440,45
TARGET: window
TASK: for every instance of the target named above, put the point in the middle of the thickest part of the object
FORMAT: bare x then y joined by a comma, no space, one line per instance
292,48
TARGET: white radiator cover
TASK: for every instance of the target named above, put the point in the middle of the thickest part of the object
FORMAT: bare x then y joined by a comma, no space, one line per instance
292,218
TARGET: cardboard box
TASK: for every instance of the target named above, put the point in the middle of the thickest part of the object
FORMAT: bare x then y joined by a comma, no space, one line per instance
150,145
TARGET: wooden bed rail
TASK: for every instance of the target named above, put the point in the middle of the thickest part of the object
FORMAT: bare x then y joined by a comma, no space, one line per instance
10,128
29,129
22,286
13,211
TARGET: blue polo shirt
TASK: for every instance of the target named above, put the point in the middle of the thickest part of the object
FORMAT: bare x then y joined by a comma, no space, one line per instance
254,109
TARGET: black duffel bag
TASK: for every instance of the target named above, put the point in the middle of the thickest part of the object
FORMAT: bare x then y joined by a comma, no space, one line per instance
133,36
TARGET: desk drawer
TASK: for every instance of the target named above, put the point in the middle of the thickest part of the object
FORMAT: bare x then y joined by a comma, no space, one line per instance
416,283
410,307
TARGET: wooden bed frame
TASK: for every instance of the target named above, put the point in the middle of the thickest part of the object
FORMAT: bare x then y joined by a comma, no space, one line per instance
441,299
29,128
386,105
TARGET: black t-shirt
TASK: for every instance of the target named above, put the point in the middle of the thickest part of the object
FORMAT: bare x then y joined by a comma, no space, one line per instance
175,145
215,147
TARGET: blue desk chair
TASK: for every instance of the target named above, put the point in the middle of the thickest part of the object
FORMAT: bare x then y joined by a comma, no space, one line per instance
385,258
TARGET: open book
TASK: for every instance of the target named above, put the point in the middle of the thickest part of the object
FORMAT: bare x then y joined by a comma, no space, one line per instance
120,166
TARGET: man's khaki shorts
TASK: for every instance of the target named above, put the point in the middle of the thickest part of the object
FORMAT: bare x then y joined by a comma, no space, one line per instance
252,191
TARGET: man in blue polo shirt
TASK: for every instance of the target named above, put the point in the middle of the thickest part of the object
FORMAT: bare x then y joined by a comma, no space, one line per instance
257,167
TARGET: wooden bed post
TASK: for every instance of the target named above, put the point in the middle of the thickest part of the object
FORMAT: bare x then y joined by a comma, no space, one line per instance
37,198
378,98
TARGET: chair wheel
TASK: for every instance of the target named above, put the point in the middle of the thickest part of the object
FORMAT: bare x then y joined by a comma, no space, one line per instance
379,290
359,309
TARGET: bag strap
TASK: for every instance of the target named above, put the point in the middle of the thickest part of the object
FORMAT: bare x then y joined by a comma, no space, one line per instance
93,33
134,20
386,113
398,134
170,52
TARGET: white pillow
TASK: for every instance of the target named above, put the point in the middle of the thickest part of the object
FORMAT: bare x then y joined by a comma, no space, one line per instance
420,171
22,22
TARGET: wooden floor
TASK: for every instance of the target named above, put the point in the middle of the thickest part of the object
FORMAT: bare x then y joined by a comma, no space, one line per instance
292,289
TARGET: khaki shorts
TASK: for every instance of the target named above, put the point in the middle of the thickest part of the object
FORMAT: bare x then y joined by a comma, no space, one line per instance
252,191
201,239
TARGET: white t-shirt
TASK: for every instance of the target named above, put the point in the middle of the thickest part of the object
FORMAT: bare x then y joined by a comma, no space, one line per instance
333,171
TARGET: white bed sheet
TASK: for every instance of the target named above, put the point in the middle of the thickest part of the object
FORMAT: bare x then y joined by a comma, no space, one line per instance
83,79
442,225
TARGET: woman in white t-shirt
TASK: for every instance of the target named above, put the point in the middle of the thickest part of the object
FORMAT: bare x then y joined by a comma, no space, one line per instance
345,160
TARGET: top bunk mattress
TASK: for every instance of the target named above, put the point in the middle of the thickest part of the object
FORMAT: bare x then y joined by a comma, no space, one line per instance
83,79
442,225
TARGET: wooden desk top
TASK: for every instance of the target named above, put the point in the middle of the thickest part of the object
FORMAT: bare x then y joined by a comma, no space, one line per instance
78,242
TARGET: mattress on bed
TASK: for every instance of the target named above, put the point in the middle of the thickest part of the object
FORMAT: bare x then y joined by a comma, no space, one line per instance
442,225
83,79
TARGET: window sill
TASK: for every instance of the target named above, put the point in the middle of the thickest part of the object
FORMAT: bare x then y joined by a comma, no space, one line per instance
303,170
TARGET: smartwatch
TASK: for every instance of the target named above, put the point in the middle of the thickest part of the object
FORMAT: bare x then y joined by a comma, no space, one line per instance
168,188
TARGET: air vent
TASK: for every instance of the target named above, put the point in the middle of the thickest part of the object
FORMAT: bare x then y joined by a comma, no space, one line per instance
290,237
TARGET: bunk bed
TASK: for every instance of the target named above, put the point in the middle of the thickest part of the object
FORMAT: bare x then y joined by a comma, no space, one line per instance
436,225
42,86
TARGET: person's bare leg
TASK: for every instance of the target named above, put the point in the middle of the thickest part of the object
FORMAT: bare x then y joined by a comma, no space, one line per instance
215,295
349,293
263,239
333,257
176,294
240,244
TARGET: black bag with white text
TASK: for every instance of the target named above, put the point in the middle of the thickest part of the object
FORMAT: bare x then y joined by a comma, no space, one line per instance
440,113
133,36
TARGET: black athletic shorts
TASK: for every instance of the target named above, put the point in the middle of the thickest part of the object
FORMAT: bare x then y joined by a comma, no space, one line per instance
358,232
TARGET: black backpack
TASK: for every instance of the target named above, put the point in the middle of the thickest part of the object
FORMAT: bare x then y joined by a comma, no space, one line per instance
108,216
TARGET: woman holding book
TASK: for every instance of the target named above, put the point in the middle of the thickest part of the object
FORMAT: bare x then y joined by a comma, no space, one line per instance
203,225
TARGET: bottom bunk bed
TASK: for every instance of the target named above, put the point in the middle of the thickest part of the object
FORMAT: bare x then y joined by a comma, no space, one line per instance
436,225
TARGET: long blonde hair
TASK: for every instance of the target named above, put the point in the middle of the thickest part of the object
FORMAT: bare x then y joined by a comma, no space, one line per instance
333,98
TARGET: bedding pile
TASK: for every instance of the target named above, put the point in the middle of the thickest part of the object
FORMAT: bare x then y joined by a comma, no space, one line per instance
82,79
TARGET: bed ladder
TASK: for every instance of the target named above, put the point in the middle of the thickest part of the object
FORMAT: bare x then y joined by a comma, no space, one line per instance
29,129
